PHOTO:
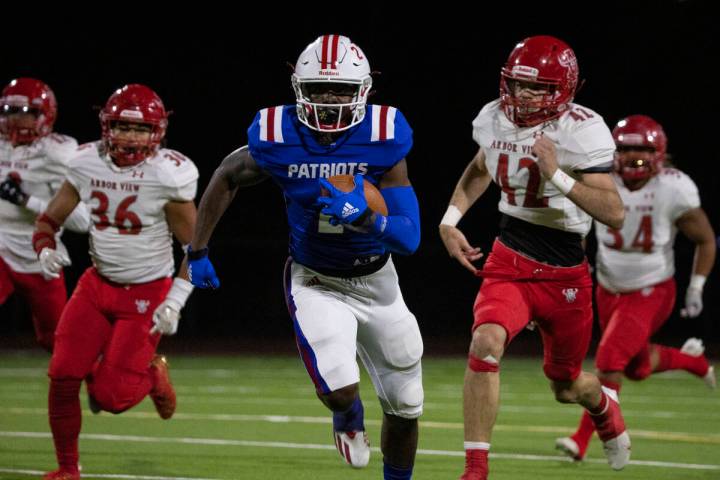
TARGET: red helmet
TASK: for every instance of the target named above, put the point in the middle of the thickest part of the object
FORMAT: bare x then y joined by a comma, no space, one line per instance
641,147
549,64
27,95
133,103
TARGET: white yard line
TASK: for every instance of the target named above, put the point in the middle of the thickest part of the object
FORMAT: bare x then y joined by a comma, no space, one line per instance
101,475
313,446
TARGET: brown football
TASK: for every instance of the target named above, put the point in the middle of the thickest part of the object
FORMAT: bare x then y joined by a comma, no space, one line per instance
346,183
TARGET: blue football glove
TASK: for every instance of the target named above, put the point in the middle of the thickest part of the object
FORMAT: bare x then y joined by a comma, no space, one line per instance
201,271
344,207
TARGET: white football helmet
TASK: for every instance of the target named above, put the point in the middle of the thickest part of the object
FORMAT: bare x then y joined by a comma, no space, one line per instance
331,63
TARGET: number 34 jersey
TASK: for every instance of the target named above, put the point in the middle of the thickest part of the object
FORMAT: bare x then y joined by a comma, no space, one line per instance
130,240
641,253
583,143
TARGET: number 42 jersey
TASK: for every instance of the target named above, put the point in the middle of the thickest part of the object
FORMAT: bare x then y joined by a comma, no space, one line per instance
130,240
641,253
583,143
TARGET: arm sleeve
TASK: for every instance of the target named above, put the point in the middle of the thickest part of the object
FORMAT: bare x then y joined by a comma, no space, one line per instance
399,232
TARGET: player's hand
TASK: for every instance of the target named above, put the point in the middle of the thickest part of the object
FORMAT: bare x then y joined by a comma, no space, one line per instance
52,262
693,303
344,207
11,191
546,153
459,248
166,317
202,273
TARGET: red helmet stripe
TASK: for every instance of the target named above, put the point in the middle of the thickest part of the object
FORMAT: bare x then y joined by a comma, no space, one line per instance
324,47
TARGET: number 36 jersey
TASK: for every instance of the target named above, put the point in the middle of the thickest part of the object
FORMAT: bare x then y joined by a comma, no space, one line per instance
130,241
641,253
583,143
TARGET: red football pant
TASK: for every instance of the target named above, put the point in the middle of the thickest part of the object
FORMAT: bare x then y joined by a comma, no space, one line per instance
627,321
45,297
108,319
518,289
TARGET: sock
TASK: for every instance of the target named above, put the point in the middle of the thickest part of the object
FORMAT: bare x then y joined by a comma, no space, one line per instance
674,359
585,430
65,421
476,458
392,472
351,420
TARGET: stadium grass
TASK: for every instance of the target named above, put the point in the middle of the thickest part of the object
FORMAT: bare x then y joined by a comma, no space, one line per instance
258,418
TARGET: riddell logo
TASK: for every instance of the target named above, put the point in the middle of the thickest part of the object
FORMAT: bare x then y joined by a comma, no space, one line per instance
329,73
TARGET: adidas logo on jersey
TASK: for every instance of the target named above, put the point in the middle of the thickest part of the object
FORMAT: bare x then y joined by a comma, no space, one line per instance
349,210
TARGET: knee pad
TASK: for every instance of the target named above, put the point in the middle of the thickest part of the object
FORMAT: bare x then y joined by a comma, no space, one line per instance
404,393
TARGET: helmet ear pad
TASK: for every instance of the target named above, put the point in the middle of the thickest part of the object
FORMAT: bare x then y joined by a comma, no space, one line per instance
328,62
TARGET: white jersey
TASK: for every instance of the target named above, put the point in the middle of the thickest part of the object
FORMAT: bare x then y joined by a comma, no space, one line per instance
583,143
41,167
641,253
130,241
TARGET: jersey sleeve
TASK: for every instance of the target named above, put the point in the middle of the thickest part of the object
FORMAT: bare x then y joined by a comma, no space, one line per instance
481,124
403,141
59,150
256,145
179,175
588,136
685,195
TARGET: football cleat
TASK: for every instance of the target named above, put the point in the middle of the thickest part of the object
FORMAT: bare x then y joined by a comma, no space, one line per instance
569,447
695,348
162,393
61,474
354,447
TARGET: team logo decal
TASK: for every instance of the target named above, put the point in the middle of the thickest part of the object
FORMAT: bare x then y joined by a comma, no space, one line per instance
570,294
142,305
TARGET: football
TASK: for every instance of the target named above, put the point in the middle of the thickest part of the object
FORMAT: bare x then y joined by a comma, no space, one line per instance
346,183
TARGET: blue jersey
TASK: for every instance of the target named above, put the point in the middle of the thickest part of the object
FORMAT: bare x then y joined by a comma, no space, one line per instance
289,152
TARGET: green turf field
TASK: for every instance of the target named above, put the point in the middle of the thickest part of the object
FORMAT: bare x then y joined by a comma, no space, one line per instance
257,418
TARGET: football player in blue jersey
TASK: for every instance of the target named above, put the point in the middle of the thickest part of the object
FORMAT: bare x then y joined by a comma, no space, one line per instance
341,286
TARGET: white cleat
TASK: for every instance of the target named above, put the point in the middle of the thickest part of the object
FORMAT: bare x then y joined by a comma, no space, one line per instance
694,347
569,447
354,447
617,451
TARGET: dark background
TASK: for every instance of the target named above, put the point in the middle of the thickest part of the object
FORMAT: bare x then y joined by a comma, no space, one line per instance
215,67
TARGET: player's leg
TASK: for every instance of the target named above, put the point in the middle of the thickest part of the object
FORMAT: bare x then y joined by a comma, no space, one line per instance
128,370
47,299
390,346
566,328
325,333
79,339
501,311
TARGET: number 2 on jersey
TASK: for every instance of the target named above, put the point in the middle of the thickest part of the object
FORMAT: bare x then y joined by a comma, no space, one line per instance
532,200
122,214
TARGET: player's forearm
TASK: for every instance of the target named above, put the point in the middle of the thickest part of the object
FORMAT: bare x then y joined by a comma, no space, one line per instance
399,232
472,184
215,200
603,205
704,257
63,203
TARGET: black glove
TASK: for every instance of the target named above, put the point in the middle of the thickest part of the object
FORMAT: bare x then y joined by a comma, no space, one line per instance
10,190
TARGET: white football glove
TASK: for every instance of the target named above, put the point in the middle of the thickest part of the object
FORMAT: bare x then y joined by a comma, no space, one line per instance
52,262
167,315
693,303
